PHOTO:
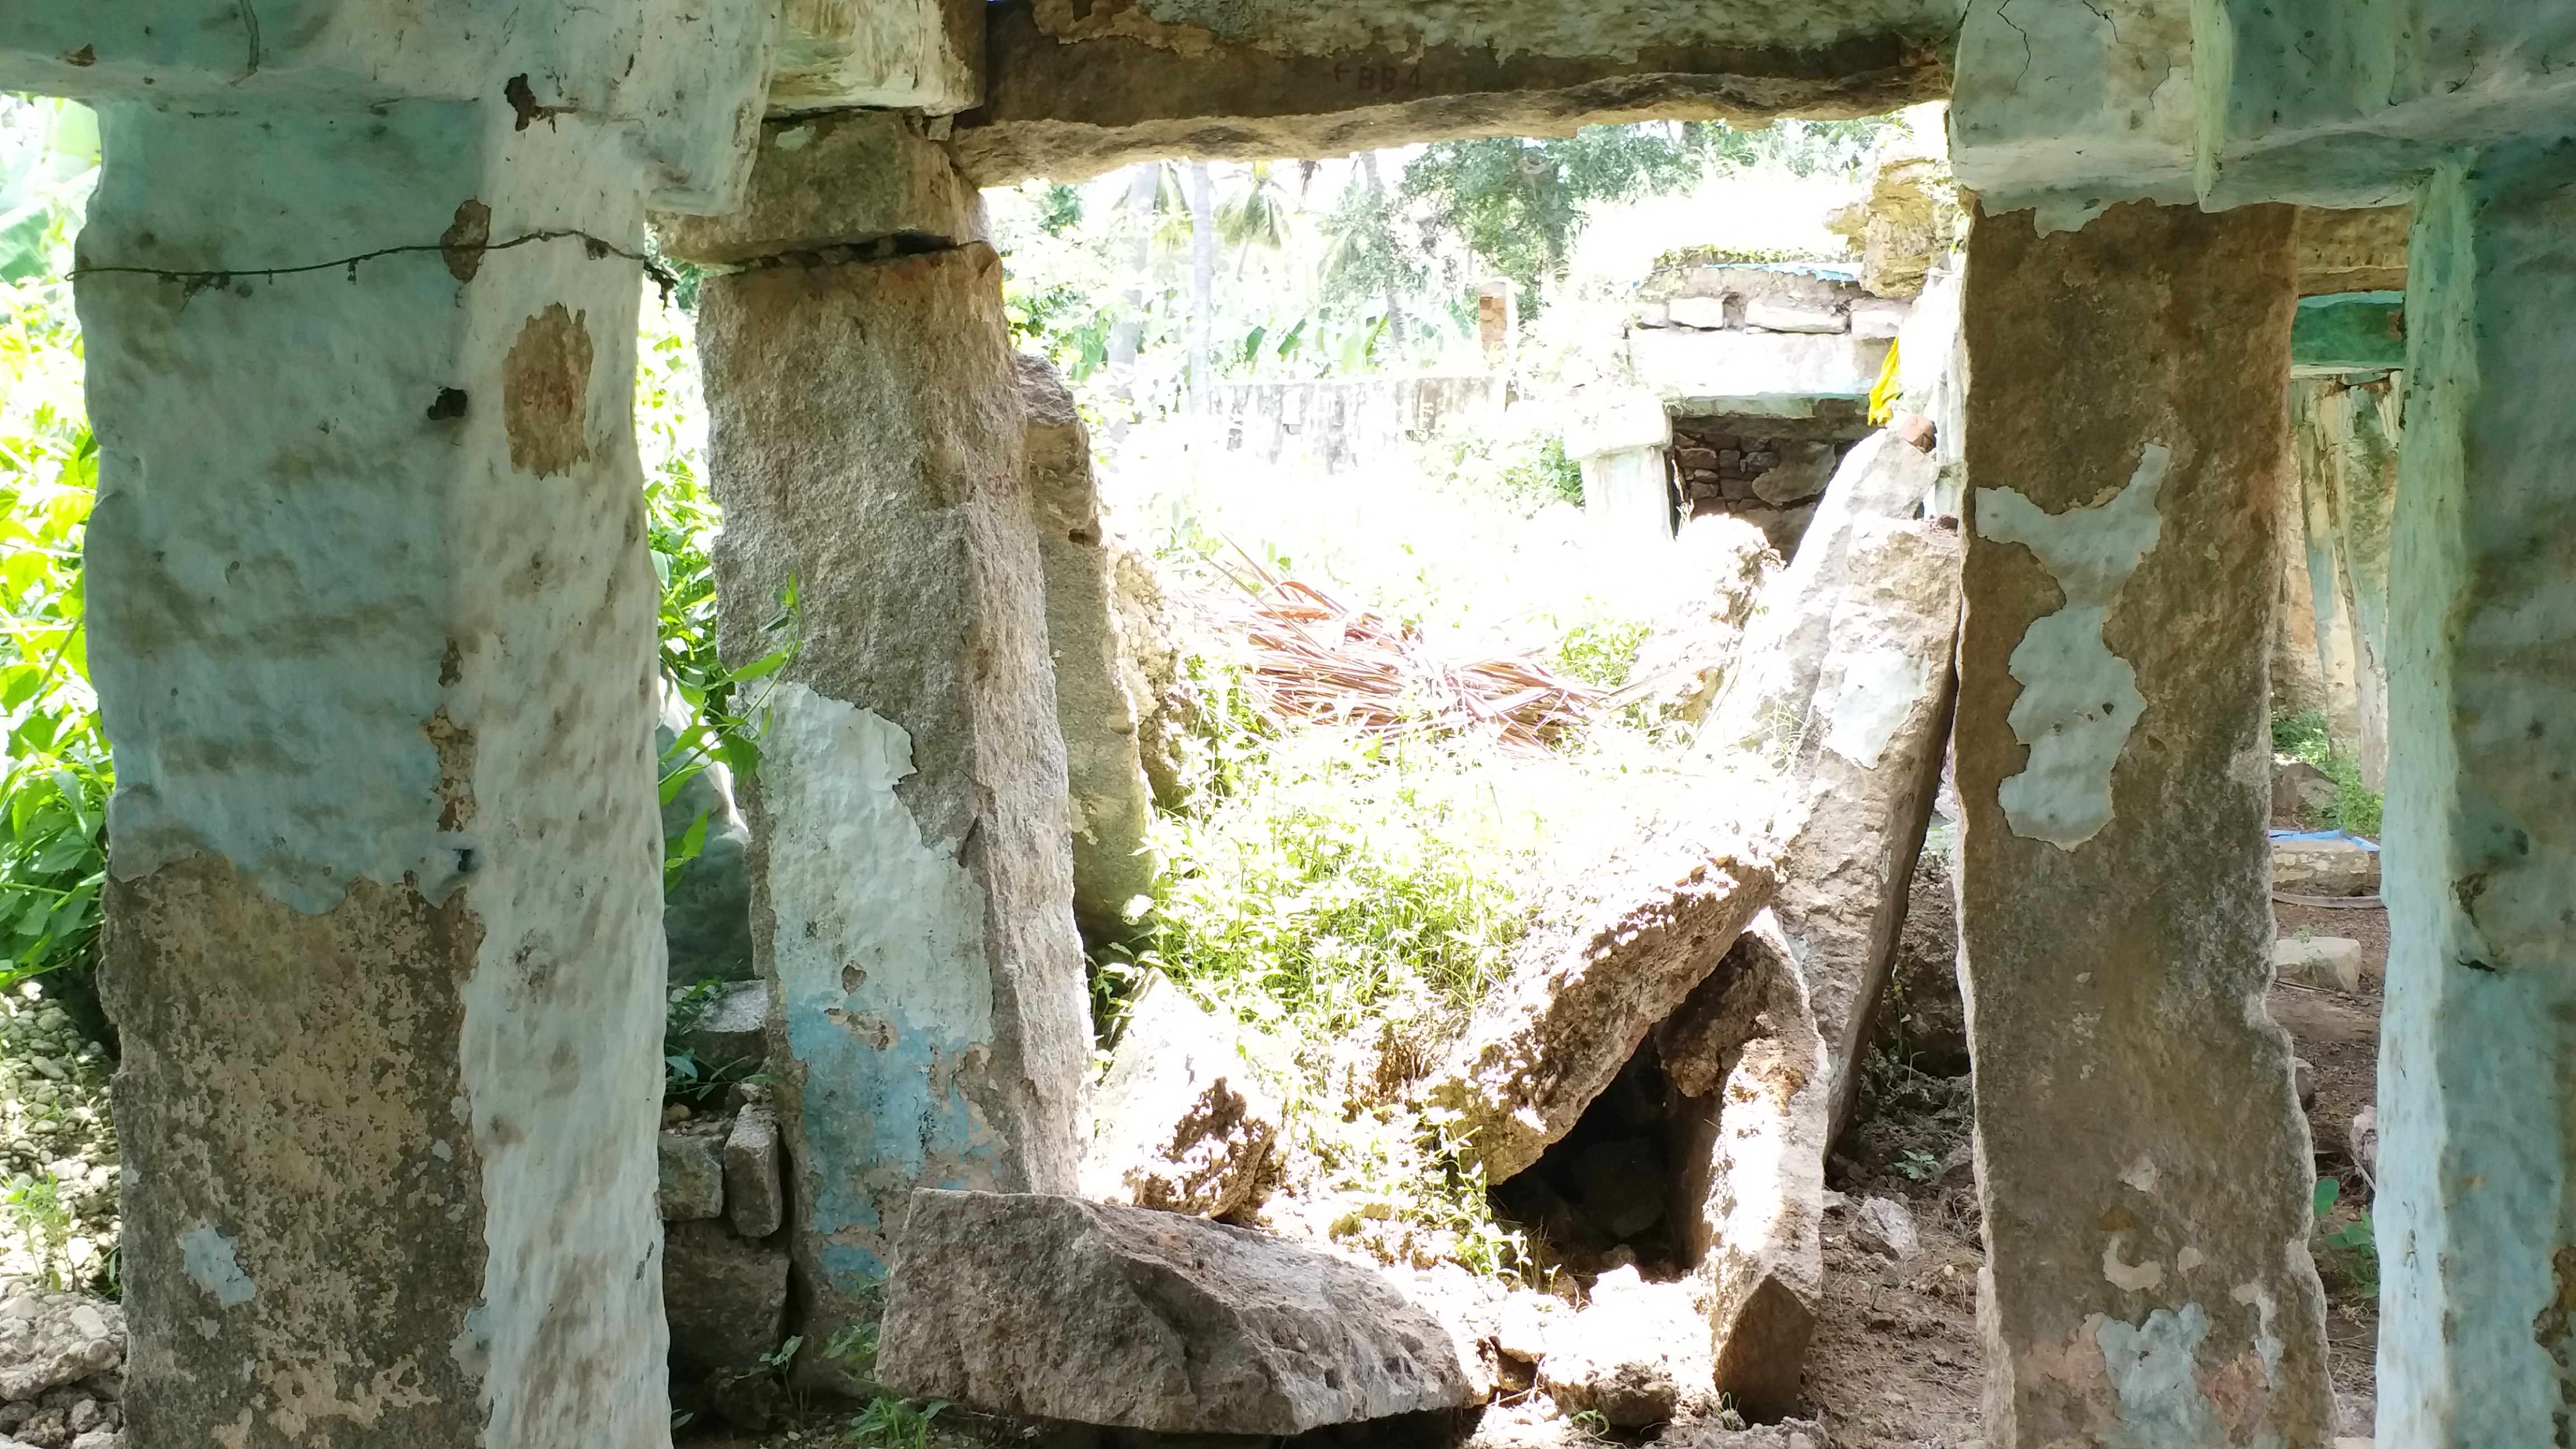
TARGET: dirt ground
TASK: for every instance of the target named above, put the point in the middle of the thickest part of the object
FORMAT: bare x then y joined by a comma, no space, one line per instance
1896,1363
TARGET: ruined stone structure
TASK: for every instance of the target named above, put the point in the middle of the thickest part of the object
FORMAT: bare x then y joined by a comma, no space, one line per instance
372,634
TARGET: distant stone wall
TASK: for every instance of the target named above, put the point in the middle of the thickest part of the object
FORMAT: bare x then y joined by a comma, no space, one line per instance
1345,425
1768,471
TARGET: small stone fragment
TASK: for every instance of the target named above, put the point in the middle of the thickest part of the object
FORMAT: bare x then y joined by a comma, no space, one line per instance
2332,961
732,1036
49,1340
692,1185
2303,1077
1886,1227
1056,1308
2302,792
755,1195
1636,1355
1184,1122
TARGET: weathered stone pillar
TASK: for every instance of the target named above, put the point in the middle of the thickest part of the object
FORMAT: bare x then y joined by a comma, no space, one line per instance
2141,1158
911,878
372,624
2476,1215
1111,805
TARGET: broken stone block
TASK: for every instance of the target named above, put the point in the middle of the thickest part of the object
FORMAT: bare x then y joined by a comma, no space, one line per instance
1652,314
1111,805
1752,1155
1153,651
755,1193
1710,1434
706,913
1765,703
1057,1308
1612,952
2333,961
726,1298
1885,1226
1771,316
1802,472
692,1185
732,1034
2302,792
1636,1355
1185,1121
2324,868
2303,1080
1718,566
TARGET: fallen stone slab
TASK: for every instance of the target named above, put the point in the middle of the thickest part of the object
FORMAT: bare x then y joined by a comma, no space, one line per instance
1862,775
1185,1122
1752,1153
2333,961
1638,1353
1056,1308
1613,952
2324,868
1885,1226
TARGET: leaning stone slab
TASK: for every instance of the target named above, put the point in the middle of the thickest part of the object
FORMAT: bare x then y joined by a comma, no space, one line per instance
1745,1052
1056,1308
1185,1121
1112,807
1865,768
1614,951
2319,961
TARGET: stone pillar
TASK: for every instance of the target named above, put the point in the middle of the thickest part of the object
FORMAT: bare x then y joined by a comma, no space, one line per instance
372,625
2315,461
2361,418
2141,1157
2476,1214
911,876
1111,805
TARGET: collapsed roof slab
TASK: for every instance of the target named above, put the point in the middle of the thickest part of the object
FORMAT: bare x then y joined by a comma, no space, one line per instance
1074,88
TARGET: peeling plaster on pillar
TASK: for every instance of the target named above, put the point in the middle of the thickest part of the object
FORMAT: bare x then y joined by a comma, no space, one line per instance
2142,1162
383,917
2477,1204
912,888
2063,795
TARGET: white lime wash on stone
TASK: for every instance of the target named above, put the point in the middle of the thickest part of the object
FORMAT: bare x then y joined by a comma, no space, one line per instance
2079,700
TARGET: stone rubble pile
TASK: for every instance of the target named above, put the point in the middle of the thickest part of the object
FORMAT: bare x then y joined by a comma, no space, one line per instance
723,1200
55,1126
1744,959
62,1371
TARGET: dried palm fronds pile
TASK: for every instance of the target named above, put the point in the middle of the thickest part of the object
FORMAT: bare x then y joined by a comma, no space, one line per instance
1312,657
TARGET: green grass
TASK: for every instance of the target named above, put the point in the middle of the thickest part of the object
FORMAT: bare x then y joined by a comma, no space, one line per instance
2305,737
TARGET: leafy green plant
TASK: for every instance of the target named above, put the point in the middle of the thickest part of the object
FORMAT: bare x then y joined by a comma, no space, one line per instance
2355,1245
1603,653
1919,1166
43,1221
892,1423
2306,737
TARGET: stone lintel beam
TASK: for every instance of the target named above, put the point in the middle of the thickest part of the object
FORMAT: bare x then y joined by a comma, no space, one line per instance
912,894
838,179
2477,1203
2141,1157
919,55
682,79
1067,97
2328,102
373,638
2358,250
